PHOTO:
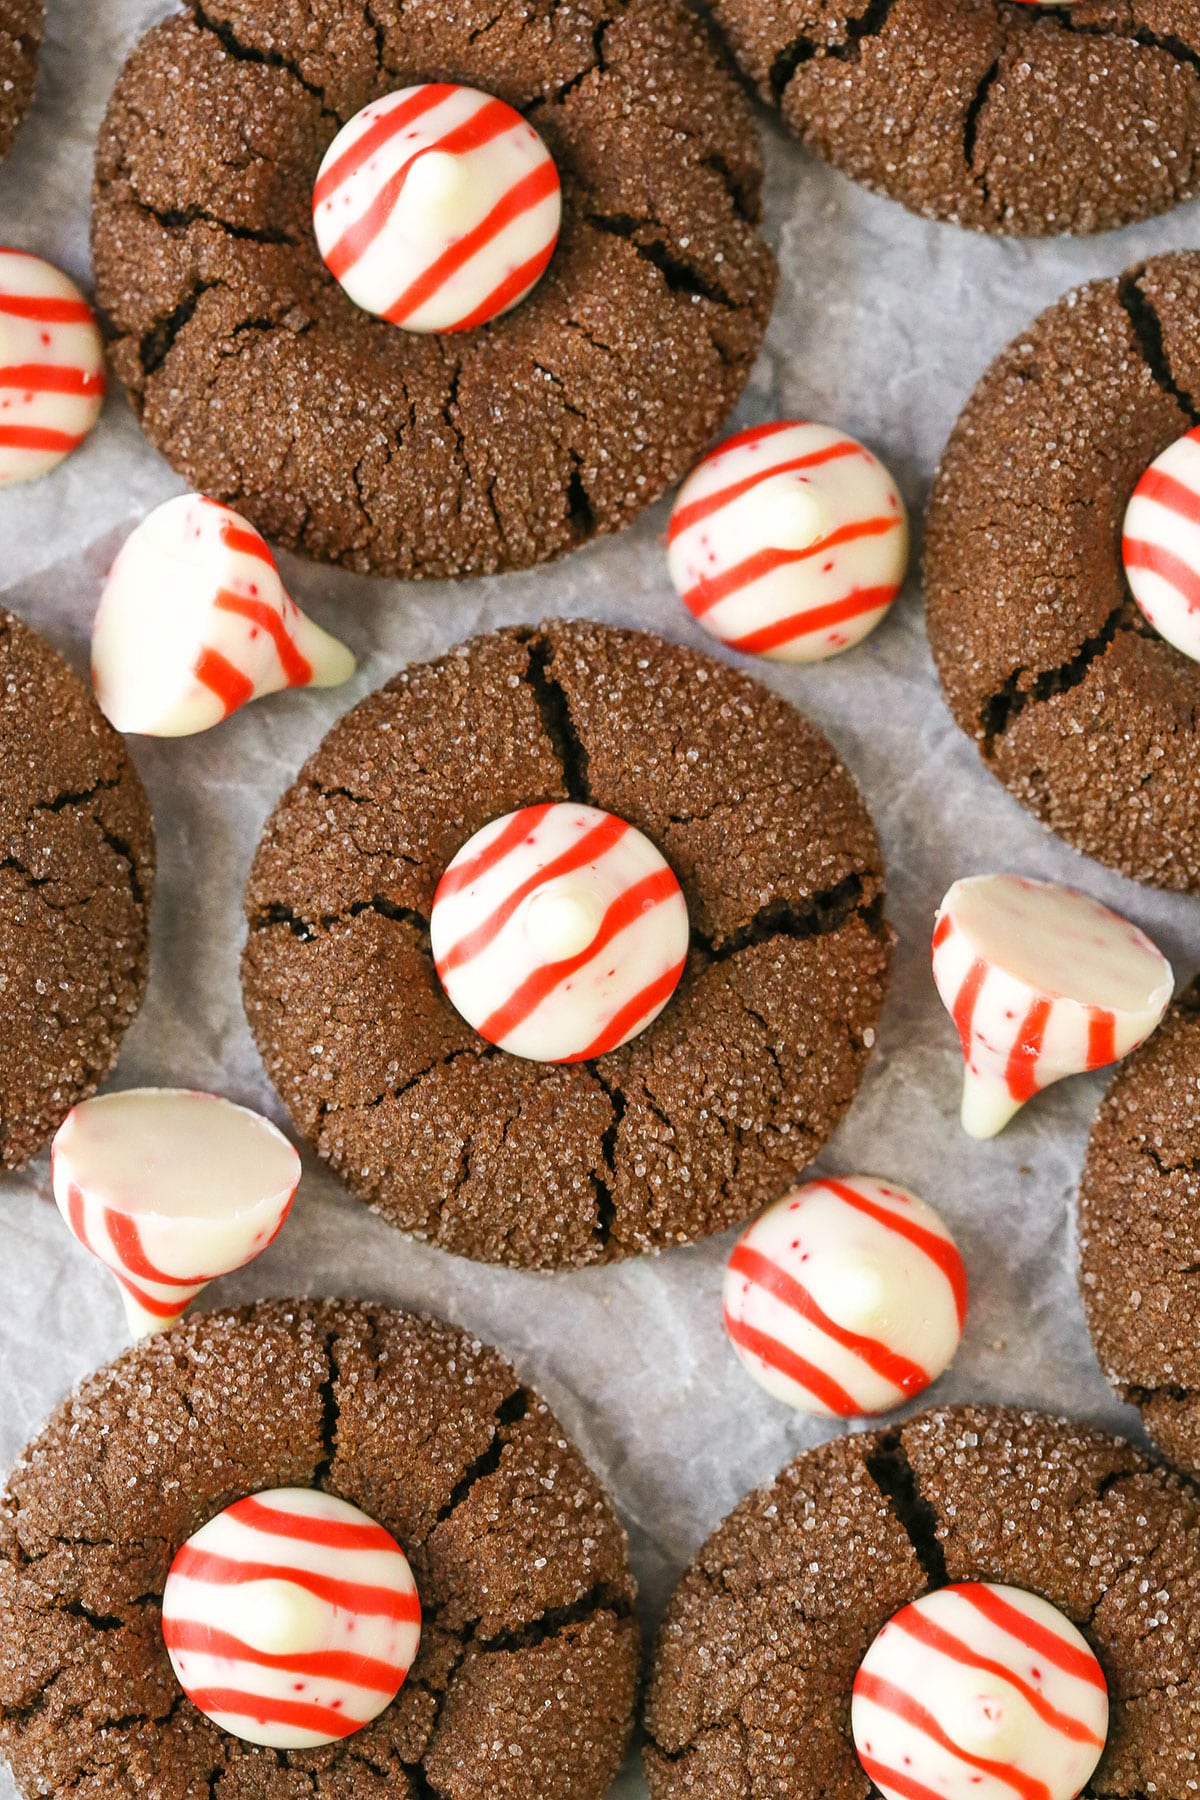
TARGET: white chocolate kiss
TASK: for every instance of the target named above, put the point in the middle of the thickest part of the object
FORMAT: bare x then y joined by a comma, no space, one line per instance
437,207
291,1619
979,1692
1161,544
559,932
170,1188
789,540
845,1297
195,621
1043,982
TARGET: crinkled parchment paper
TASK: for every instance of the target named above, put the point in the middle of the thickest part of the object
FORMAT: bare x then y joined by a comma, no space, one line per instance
883,323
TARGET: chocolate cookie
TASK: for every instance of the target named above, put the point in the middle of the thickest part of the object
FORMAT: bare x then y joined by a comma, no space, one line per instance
75,881
527,1671
20,40
1084,713
750,1688
1006,118
698,1121
360,443
1139,1232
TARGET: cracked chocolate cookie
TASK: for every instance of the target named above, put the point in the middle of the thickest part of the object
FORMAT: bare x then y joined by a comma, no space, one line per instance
754,1666
714,1108
354,441
1086,714
1139,1233
20,41
527,1671
75,881
1031,120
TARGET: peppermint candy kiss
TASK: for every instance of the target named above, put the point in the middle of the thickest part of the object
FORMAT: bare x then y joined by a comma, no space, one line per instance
291,1619
559,932
846,1297
170,1188
1161,544
979,1692
1042,982
437,208
52,380
788,541
194,621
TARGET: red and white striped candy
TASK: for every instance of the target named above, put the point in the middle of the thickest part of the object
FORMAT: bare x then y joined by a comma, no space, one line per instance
789,541
52,379
1161,544
170,1188
979,1692
291,1619
559,932
437,207
846,1297
194,621
1042,982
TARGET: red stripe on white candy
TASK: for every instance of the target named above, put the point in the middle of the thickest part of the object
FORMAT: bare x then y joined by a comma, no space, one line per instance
291,1619
559,932
52,379
979,1692
789,541
846,1297
194,621
1161,544
1042,982
170,1188
437,207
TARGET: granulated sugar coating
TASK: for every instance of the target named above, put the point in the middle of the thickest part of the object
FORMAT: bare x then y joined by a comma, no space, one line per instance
20,39
698,1121
753,1670
74,891
1088,716
1139,1232
350,439
1006,118
527,1671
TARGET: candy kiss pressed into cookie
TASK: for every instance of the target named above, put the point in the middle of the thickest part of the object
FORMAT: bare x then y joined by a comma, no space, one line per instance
979,1692
291,1619
171,1188
1160,544
52,379
194,621
559,932
789,541
437,208
1042,982
846,1297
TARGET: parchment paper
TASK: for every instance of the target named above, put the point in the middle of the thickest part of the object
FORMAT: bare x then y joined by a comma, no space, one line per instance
883,323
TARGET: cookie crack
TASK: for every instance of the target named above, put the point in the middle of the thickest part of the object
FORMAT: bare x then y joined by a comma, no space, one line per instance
1167,41
277,912
821,915
180,218
891,1470
1148,333
972,119
511,1410
330,1415
605,1596
803,48
1018,692
156,345
555,709
680,275
606,1208
247,53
